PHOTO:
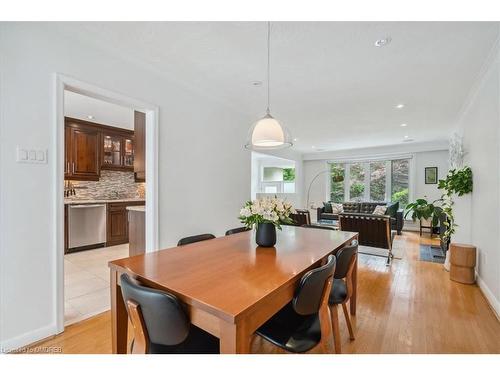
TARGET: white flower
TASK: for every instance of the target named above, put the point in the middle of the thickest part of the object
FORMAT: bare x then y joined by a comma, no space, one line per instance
246,212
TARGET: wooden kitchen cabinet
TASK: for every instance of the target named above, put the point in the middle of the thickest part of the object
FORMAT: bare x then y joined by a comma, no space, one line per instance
140,146
117,222
82,151
117,149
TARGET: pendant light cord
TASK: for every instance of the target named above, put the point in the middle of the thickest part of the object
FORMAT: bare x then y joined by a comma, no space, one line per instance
268,65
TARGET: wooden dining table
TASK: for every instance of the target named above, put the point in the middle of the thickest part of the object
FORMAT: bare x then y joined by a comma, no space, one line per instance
229,286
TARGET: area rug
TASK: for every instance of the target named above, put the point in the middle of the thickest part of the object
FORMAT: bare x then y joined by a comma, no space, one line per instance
432,254
375,251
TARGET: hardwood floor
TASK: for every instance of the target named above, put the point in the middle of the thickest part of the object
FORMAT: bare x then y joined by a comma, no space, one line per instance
409,307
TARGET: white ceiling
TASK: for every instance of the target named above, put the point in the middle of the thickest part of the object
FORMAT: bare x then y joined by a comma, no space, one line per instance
330,85
81,106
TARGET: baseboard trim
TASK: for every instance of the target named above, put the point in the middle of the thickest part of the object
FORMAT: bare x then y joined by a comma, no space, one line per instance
492,301
28,338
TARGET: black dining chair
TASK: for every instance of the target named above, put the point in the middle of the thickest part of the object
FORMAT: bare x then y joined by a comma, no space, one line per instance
304,322
193,239
237,230
161,326
341,290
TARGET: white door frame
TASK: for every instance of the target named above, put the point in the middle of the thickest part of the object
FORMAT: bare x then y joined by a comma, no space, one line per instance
61,83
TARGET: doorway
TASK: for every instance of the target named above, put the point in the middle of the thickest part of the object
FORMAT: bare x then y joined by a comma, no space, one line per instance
100,186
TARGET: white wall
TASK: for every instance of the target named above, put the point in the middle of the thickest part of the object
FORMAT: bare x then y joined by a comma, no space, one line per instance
478,214
437,159
201,174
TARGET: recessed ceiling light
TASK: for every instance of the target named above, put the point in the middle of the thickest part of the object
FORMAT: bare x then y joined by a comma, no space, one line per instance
295,139
90,117
313,146
406,137
383,42
403,125
257,83
408,140
399,106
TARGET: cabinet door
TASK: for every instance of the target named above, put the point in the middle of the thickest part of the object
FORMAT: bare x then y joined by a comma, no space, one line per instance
128,153
140,146
117,224
112,151
67,152
85,162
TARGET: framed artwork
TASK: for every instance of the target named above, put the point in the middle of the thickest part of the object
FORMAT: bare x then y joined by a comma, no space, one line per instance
431,175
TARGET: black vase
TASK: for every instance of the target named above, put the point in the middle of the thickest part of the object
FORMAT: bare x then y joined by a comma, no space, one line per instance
266,235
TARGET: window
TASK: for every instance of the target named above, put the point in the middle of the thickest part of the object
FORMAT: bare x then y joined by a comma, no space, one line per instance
277,180
377,181
370,181
400,181
357,182
337,183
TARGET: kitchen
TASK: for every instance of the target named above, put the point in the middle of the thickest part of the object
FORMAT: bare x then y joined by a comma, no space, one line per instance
104,187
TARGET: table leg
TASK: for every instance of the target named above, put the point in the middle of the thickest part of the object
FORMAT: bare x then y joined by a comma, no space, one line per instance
234,338
119,317
352,300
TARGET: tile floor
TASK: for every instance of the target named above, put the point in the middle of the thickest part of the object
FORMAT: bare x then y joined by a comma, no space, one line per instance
86,282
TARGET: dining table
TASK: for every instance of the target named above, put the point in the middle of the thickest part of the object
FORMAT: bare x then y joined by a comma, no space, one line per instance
229,286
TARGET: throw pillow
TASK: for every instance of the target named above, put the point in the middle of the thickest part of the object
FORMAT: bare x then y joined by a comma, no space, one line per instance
379,210
328,207
337,208
392,209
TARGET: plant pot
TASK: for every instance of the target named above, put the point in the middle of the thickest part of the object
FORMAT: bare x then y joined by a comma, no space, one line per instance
266,235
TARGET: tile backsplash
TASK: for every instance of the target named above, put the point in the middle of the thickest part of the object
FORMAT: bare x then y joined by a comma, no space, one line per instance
109,185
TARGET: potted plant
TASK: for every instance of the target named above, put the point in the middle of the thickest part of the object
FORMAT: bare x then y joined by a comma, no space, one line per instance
457,181
266,214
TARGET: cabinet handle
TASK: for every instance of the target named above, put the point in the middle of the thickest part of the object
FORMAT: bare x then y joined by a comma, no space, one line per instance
67,167
73,167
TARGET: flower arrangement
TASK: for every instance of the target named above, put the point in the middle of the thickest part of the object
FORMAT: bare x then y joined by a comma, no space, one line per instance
266,210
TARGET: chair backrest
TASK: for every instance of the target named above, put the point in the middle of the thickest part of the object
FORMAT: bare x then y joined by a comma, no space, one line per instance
310,292
193,239
373,230
345,259
237,230
301,217
165,320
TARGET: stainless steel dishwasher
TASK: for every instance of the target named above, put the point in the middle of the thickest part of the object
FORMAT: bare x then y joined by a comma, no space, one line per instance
87,225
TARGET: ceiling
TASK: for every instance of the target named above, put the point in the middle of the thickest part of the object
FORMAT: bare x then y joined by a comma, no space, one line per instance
329,84
81,107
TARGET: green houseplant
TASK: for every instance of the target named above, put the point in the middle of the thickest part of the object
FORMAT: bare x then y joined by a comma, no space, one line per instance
457,181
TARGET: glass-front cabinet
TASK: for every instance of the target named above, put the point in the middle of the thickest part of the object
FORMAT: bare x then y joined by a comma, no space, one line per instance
128,152
118,151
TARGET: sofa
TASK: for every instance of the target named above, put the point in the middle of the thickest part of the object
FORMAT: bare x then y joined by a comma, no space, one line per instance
366,209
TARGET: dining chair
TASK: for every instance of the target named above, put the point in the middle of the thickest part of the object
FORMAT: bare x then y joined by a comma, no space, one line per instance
304,322
301,217
193,239
161,326
342,289
237,230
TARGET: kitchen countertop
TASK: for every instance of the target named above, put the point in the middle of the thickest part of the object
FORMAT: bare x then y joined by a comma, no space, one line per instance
136,208
92,201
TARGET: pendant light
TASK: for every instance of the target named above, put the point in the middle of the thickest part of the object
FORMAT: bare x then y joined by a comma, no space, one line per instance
268,133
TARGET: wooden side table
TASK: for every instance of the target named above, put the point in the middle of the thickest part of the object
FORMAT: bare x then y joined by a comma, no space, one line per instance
462,263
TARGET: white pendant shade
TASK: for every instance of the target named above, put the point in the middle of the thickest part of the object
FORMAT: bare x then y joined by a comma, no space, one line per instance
266,134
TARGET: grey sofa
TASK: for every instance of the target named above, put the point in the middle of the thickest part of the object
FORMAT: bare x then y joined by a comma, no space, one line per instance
366,209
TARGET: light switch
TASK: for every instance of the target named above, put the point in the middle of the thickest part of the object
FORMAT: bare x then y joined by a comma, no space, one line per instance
32,156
